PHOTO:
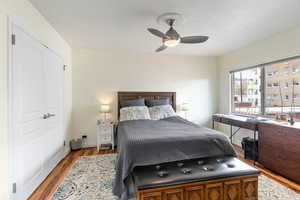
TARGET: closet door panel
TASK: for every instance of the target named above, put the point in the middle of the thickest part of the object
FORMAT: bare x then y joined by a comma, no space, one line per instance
28,109
54,105
28,75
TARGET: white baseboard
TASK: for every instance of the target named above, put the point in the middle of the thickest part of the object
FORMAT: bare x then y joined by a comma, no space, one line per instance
66,152
54,160
51,163
90,146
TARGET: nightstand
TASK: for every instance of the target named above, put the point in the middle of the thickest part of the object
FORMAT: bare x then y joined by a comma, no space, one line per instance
105,134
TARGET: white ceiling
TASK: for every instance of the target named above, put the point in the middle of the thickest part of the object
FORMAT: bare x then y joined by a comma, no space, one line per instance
121,24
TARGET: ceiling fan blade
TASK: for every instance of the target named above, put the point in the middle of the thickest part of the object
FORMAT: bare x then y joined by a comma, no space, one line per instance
156,32
193,39
163,47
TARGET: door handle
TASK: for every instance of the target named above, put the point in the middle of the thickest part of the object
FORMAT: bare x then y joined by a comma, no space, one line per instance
50,115
45,116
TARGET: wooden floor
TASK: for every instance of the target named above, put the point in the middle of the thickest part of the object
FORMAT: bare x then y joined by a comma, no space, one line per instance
48,187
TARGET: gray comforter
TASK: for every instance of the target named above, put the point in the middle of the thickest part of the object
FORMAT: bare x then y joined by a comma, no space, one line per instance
147,142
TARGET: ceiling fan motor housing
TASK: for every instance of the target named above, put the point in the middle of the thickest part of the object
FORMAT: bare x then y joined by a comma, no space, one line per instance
172,39
172,34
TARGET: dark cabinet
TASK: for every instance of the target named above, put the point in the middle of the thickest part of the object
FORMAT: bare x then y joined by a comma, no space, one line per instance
279,149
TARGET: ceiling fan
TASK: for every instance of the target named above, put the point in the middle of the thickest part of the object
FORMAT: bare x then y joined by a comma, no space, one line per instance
171,38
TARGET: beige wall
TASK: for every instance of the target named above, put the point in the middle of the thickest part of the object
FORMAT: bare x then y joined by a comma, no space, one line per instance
97,76
278,46
22,13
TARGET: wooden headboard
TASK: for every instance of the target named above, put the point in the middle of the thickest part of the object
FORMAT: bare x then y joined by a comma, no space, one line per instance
147,95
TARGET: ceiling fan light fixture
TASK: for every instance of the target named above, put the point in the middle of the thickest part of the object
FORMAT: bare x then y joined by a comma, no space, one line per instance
171,38
172,42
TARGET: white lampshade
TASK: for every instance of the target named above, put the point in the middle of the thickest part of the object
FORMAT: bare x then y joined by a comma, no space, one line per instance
184,107
104,108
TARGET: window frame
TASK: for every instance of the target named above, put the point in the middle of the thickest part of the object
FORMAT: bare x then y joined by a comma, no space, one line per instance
262,86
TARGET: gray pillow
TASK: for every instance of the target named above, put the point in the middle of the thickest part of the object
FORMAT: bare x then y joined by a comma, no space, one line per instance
157,102
134,102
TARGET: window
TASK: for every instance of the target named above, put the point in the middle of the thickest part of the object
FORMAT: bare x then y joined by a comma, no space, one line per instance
280,90
271,73
286,97
295,82
269,85
295,69
246,95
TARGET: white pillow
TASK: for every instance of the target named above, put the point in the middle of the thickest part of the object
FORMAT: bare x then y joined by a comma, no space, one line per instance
161,112
134,113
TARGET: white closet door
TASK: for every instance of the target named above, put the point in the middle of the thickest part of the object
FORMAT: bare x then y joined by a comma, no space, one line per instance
37,94
28,110
54,106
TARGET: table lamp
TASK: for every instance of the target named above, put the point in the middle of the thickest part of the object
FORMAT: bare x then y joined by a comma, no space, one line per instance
185,108
105,109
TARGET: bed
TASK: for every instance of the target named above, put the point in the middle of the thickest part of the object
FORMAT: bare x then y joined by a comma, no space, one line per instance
150,142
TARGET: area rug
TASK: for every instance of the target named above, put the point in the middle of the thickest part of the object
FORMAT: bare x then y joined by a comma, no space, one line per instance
91,178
